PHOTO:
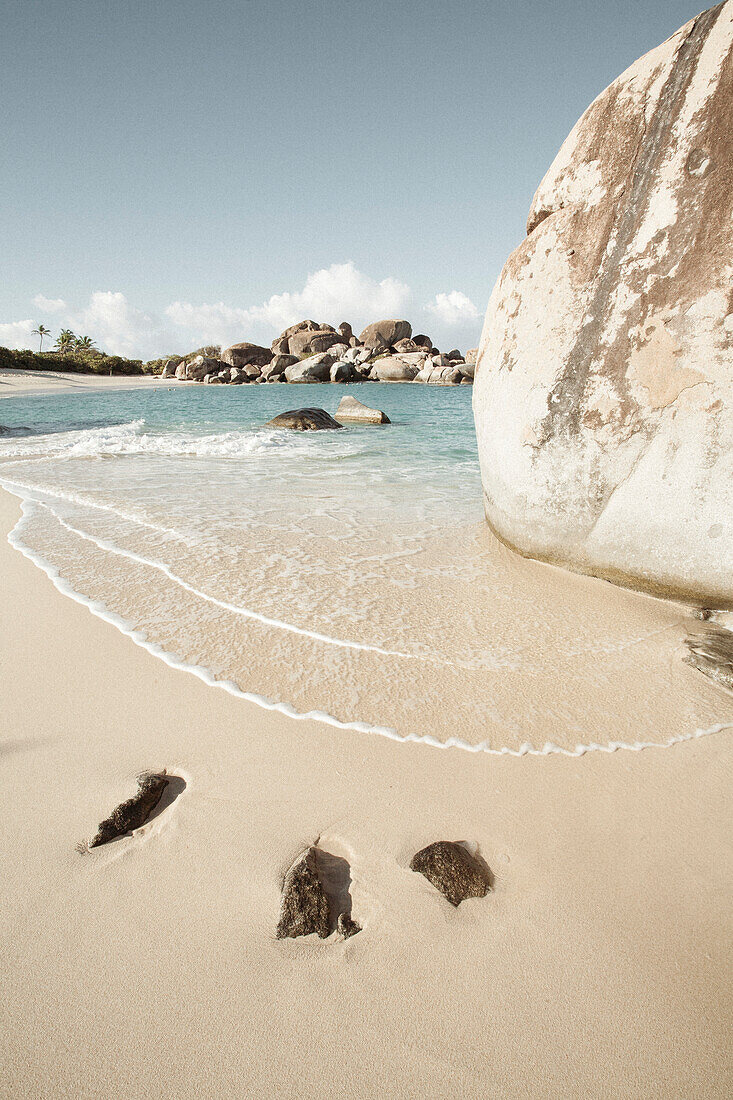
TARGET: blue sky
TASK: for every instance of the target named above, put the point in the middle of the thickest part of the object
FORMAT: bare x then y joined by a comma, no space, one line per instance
186,171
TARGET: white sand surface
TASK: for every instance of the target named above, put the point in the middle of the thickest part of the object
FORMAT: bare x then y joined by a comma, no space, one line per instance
600,965
14,383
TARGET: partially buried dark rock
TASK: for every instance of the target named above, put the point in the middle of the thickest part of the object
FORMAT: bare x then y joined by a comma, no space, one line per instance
304,420
316,897
453,870
346,926
133,813
304,906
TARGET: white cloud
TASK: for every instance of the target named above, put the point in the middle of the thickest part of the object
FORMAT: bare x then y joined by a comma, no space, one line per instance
17,334
336,293
49,305
453,308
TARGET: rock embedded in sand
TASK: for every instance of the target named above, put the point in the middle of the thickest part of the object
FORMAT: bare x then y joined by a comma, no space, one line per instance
353,410
304,906
317,368
134,812
453,871
604,389
346,926
304,420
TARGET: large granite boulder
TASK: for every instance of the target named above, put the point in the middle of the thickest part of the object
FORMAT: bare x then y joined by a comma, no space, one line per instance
201,365
245,354
311,343
281,345
385,334
304,420
472,355
604,383
317,368
393,369
352,410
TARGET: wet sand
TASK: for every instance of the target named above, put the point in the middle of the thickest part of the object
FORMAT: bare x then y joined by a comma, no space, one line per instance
599,966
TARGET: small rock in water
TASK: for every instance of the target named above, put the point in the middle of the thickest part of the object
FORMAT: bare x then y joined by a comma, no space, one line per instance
304,420
452,870
135,812
351,409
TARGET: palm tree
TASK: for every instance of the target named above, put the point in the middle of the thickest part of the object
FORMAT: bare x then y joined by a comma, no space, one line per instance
84,343
41,331
65,340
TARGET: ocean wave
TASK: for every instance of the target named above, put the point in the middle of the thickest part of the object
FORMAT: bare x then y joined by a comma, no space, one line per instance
136,438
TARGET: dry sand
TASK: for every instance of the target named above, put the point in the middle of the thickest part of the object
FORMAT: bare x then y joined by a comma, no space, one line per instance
14,383
600,966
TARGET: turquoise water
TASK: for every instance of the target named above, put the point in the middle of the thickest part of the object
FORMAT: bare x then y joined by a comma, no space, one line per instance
294,565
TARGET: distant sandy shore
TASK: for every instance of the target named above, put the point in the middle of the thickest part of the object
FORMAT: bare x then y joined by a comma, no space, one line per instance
14,383
600,966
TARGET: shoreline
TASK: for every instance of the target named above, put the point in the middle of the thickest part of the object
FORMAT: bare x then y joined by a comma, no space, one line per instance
26,383
111,960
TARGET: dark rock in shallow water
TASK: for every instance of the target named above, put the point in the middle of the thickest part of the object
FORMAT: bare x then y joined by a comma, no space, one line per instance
135,812
316,898
453,870
304,420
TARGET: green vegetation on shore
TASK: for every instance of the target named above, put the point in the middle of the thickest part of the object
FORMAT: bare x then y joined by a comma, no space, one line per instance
78,360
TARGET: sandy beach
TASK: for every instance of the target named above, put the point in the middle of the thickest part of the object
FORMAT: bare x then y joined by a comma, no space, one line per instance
598,966
13,383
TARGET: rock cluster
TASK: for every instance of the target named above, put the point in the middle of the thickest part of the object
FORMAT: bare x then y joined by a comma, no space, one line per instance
386,351
604,389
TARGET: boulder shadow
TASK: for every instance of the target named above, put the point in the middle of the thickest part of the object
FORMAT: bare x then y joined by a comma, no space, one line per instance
334,875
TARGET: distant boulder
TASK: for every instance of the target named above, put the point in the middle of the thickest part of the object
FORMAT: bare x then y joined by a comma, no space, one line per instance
352,410
304,906
384,334
304,420
423,341
406,346
345,331
392,369
278,363
343,372
310,342
472,355
245,354
315,369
